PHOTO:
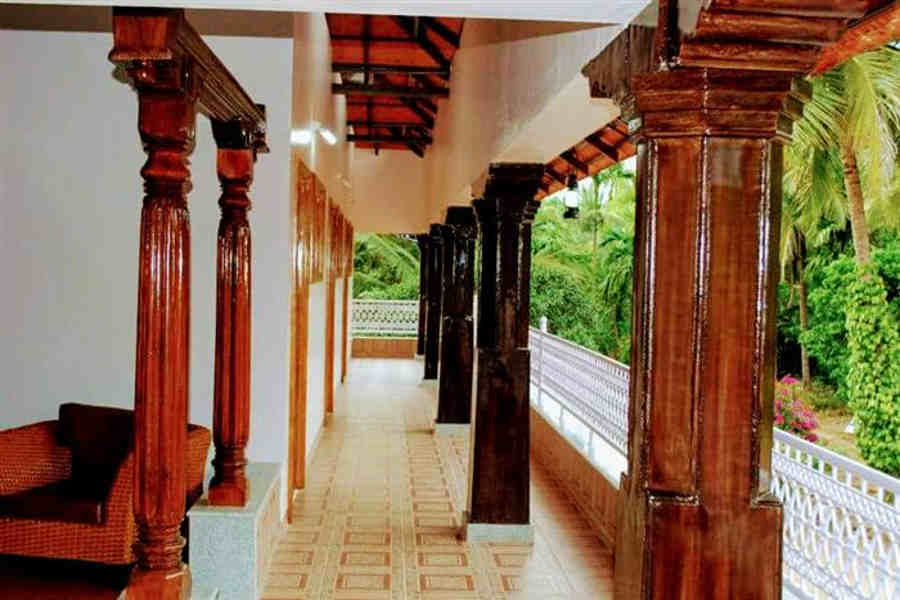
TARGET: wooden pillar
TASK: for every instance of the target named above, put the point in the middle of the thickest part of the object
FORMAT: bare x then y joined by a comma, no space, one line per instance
499,494
433,316
166,118
457,333
231,410
423,240
697,519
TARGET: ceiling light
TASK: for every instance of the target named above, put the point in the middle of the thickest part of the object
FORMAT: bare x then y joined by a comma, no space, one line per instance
328,136
301,137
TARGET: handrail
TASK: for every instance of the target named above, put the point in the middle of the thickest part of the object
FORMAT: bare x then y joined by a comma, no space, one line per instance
395,318
841,518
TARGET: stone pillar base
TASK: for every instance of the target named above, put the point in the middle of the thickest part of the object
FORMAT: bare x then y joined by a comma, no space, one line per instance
231,547
455,429
493,532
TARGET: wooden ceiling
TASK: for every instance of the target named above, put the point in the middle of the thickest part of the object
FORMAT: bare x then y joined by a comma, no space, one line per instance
598,151
394,70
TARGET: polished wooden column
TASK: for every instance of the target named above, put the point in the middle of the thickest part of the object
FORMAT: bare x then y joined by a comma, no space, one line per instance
500,444
166,119
433,316
457,330
423,241
697,519
231,409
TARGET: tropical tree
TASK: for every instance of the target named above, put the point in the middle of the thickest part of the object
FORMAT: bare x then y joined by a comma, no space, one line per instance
852,121
386,267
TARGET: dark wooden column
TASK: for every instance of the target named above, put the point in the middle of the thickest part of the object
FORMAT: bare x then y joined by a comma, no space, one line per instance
500,445
423,240
231,410
697,517
457,333
433,316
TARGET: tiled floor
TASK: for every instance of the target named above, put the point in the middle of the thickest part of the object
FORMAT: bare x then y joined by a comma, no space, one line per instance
379,518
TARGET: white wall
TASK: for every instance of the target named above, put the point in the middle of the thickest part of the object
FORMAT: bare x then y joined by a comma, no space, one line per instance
71,194
315,390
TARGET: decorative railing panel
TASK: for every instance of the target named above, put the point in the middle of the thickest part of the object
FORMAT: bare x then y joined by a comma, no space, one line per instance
841,518
397,318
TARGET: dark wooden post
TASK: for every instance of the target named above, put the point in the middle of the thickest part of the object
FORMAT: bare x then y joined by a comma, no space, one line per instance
423,240
231,410
457,334
166,118
697,518
500,447
435,281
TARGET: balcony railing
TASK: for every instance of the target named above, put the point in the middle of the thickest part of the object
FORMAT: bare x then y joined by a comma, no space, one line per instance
841,518
393,318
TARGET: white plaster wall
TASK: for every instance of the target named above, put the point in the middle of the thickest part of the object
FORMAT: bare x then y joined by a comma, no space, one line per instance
389,192
71,194
313,102
315,391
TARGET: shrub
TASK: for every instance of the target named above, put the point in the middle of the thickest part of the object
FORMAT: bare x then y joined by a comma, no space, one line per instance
873,380
791,412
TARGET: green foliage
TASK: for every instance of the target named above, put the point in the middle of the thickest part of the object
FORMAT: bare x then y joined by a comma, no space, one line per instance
582,268
386,267
874,371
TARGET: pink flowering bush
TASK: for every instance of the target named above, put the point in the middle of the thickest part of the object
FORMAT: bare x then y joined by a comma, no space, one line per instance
791,412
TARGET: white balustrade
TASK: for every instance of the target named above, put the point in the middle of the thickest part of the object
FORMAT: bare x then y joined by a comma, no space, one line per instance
395,318
841,518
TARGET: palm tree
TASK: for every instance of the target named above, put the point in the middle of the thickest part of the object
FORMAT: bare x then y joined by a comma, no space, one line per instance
853,121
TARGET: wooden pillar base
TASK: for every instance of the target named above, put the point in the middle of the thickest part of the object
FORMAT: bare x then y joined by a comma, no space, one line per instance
229,487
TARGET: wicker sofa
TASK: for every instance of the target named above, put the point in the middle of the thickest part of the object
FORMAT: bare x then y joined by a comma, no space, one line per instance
66,486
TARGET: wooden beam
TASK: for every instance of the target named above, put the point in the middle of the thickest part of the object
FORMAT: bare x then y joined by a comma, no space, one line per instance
570,157
153,35
410,26
381,68
357,89
389,139
600,144
552,173
450,36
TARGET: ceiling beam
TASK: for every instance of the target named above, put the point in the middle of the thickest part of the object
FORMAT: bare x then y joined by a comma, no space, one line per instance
410,26
570,157
552,173
379,68
611,152
396,91
450,36
389,139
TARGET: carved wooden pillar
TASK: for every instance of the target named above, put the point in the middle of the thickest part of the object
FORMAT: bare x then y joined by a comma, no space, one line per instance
499,494
457,334
435,280
231,410
697,518
166,119
423,241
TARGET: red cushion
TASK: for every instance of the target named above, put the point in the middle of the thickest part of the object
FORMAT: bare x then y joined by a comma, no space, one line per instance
64,501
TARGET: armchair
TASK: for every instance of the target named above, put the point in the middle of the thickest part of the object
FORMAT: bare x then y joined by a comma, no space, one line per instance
66,485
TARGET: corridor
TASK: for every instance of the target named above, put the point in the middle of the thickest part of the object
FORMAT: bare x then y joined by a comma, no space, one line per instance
379,517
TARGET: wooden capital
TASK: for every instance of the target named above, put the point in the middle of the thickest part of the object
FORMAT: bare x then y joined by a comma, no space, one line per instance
700,418
231,411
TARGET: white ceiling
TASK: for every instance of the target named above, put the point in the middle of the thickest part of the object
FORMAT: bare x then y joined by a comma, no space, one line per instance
589,11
